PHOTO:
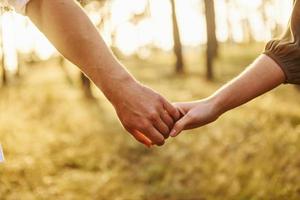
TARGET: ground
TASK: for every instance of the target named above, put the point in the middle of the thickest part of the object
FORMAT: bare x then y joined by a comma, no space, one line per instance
58,145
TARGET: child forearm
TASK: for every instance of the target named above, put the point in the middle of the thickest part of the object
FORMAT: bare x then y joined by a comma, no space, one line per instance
262,76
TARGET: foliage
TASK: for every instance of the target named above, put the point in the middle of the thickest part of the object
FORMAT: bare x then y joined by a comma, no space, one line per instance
58,145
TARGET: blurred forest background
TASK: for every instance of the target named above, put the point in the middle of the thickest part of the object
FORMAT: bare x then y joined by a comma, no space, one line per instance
62,138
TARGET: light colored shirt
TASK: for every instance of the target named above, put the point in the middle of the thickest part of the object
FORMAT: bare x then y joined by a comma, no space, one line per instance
18,5
1,155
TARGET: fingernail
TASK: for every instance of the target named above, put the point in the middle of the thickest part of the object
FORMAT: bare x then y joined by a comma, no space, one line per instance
173,133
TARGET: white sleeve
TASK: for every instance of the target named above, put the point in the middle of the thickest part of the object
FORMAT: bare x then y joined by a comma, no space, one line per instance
18,5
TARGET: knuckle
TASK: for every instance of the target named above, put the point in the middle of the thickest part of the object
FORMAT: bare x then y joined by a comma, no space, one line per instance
176,113
172,112
153,116
144,124
160,99
165,130
168,118
154,119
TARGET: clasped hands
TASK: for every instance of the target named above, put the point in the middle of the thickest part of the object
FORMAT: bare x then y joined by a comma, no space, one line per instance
151,119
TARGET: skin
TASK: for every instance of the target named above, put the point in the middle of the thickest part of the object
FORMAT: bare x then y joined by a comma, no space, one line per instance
261,76
144,113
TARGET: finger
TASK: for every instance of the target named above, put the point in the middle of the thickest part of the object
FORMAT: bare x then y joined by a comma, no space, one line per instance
154,135
179,126
162,127
173,112
181,111
167,119
141,138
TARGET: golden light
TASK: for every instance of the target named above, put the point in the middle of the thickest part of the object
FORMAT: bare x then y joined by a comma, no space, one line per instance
20,35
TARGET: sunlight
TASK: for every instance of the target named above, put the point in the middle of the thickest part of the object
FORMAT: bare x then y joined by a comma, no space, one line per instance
20,35
9,44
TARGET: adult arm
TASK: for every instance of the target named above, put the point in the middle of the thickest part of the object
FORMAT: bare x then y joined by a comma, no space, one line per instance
140,109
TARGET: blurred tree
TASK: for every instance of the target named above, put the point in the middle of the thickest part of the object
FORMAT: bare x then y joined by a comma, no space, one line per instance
247,30
18,71
136,19
61,62
3,70
86,86
228,4
271,24
274,27
106,23
177,40
4,75
212,43
263,8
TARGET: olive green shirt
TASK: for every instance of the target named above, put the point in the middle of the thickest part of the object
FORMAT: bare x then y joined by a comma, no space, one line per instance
286,50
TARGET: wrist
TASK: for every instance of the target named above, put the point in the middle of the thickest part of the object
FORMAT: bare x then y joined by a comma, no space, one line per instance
117,89
112,83
217,105
120,90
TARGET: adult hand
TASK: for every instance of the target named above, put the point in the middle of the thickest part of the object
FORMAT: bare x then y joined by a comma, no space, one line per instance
145,114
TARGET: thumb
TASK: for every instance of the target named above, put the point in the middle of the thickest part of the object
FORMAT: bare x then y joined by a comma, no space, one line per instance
179,126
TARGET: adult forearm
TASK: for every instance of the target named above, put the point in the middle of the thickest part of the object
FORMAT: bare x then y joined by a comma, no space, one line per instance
261,76
143,112
67,27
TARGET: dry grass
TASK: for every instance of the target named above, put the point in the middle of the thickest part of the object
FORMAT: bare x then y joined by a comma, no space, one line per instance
60,146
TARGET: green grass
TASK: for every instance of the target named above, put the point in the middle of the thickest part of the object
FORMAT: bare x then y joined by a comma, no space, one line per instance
60,146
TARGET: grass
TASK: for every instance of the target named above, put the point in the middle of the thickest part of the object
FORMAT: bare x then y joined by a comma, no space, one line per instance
60,146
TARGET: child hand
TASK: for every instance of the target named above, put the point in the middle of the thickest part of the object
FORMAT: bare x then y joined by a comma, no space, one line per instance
195,114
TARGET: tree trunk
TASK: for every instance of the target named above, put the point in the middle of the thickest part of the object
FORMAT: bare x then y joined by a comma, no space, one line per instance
212,43
247,31
18,72
61,62
4,75
228,22
177,41
86,86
